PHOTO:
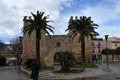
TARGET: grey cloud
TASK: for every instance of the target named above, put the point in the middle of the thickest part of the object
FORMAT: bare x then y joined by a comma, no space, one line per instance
12,12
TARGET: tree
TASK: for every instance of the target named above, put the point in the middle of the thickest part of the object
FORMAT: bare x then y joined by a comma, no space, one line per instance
39,23
110,52
84,27
117,52
66,60
15,46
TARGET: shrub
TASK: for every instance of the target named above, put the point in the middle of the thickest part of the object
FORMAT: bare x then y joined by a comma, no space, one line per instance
66,60
28,62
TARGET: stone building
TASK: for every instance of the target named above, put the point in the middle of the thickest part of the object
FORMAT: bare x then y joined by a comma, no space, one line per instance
97,47
112,43
49,47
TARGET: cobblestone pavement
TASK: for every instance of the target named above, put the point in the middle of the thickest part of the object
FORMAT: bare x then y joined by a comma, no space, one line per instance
100,73
113,73
11,73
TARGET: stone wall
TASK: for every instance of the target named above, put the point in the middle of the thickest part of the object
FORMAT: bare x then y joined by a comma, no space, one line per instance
49,46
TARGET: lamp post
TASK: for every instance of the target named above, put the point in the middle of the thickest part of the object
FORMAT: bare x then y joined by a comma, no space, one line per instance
19,56
106,37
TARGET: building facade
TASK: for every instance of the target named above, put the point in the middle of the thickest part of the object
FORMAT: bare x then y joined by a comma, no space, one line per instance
97,47
112,43
50,46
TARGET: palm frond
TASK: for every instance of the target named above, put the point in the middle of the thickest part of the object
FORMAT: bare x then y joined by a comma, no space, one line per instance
47,33
83,26
74,34
38,22
51,30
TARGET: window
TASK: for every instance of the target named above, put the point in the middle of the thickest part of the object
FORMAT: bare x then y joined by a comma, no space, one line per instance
116,44
93,44
93,50
98,44
99,50
58,44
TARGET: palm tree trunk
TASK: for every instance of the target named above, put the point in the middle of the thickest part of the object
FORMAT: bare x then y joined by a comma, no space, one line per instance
38,46
83,50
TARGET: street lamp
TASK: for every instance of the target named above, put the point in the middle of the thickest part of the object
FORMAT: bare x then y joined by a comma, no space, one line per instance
19,56
106,37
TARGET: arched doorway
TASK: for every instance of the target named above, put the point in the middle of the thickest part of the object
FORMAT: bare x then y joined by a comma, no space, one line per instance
13,61
56,58
56,64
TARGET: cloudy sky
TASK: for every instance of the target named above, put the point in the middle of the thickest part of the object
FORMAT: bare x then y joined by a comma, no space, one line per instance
106,13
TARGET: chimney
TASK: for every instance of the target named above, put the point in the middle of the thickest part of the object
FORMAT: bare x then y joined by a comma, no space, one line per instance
25,18
30,18
76,18
71,19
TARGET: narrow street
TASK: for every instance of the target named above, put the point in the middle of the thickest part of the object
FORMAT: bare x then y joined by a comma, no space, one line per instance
12,73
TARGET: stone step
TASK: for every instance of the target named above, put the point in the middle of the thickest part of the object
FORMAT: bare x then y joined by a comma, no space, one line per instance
56,67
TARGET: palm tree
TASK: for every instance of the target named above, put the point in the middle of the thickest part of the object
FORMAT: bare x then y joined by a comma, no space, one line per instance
84,27
38,24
